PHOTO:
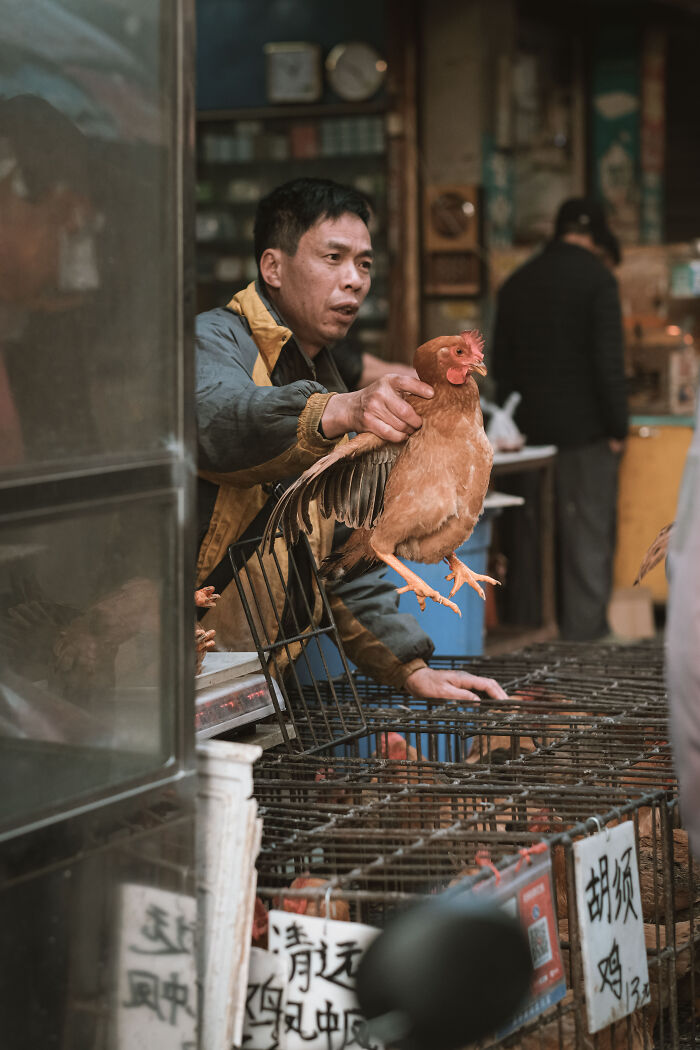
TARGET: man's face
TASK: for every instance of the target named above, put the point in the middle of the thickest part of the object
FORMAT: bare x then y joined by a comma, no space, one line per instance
320,288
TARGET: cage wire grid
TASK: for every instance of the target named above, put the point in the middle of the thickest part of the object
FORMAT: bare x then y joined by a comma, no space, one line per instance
288,636
582,742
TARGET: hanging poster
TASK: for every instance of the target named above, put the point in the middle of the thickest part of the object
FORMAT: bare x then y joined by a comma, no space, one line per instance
653,136
616,132
499,193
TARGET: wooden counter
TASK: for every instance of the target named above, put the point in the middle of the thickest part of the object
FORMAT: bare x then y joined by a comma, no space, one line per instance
650,477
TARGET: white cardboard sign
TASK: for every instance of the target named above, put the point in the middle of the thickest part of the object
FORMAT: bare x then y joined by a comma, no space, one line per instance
322,957
609,909
266,1002
157,983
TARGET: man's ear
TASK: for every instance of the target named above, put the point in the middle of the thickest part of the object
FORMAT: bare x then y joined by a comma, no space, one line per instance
270,267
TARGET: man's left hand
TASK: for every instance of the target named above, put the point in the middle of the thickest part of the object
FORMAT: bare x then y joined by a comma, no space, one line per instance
452,685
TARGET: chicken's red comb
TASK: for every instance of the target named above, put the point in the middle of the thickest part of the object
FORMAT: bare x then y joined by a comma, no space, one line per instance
475,342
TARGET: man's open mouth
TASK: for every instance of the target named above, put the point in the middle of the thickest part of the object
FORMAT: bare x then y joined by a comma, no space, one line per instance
348,311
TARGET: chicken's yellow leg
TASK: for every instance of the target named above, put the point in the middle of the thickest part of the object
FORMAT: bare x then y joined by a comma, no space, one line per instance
461,574
414,583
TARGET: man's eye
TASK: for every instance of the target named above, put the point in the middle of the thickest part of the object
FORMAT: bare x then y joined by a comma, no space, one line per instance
334,256
366,265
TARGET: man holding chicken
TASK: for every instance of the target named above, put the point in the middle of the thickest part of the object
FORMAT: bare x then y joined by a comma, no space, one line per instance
270,403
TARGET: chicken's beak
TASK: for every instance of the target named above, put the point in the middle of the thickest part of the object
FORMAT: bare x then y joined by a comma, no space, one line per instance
478,366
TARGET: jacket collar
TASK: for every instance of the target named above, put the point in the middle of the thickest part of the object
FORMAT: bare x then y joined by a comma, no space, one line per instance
266,326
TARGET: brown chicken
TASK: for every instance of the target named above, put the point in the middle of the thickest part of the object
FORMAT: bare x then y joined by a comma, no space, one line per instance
420,499
314,905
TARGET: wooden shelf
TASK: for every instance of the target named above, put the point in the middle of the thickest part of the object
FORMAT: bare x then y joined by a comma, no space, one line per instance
332,159
296,110
444,291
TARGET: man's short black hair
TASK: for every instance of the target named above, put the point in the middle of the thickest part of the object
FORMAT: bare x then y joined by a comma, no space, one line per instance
284,216
582,215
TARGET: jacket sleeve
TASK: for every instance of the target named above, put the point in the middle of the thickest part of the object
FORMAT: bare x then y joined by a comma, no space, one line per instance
385,644
608,357
252,433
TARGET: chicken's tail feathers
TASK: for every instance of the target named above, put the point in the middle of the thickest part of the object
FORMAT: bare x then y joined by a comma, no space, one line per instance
351,560
655,553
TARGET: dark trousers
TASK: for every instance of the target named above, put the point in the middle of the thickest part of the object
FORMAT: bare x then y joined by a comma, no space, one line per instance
586,506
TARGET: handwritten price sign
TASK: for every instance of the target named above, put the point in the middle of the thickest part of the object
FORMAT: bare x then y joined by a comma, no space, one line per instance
322,955
609,907
157,973
266,1002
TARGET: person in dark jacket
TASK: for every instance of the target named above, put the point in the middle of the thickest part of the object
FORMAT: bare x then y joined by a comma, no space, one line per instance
558,341
270,402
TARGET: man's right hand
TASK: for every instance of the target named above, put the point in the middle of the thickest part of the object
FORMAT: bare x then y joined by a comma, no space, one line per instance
378,408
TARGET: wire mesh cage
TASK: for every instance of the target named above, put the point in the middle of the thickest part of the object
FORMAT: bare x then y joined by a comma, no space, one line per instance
289,617
427,794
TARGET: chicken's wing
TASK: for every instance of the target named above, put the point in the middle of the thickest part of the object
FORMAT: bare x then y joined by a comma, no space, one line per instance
348,483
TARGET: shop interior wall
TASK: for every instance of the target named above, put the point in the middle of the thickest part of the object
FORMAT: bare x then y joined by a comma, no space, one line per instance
460,46
231,35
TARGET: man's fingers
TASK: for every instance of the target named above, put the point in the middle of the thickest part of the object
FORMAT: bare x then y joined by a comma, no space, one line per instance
385,430
404,411
411,386
453,692
390,407
485,685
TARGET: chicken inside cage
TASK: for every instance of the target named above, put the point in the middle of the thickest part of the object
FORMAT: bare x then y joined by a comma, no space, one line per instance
429,797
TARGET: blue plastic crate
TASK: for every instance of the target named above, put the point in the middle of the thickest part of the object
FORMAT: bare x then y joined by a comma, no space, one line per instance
452,635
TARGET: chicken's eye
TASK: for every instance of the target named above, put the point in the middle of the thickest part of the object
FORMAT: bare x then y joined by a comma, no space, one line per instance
457,351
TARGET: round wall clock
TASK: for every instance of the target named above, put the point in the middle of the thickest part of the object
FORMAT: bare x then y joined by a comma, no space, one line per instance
355,71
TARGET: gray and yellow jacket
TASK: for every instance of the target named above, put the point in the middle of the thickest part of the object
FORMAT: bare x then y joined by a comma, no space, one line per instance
259,404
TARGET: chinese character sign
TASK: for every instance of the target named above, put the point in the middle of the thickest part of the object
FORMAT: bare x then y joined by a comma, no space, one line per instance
157,975
322,958
266,1002
612,929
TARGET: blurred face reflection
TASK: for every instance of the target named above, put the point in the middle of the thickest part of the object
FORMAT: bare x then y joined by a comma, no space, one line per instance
35,244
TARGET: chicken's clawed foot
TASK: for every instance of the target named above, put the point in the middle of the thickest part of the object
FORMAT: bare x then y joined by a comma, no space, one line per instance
462,574
414,583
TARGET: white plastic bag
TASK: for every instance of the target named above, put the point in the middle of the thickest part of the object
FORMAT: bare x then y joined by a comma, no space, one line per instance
502,431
